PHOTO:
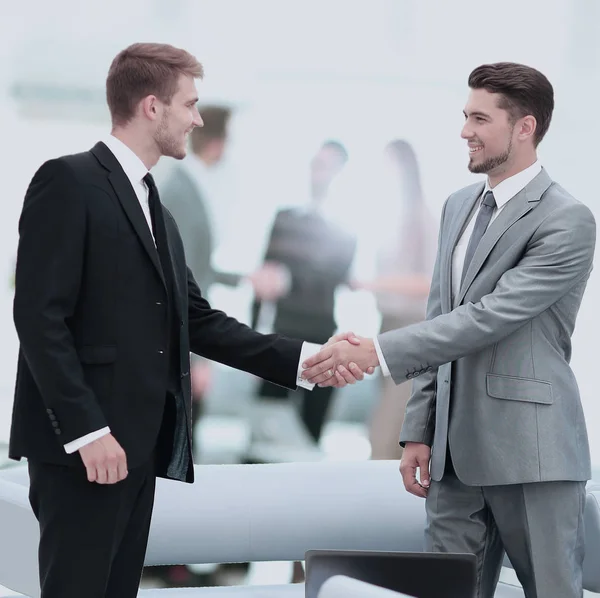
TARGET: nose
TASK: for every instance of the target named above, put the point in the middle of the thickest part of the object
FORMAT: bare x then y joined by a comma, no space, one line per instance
466,132
197,122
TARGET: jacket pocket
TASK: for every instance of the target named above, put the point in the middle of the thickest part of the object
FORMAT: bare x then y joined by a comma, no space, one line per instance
514,388
97,354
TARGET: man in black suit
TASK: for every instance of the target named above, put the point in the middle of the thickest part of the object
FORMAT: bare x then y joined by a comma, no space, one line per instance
107,313
317,255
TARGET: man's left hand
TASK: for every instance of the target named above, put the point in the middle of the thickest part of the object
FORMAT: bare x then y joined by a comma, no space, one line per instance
322,368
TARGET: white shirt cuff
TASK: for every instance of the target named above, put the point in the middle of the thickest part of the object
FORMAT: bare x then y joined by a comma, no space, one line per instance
384,368
76,444
308,350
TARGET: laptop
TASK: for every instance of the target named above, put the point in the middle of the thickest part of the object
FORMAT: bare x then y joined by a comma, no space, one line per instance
416,574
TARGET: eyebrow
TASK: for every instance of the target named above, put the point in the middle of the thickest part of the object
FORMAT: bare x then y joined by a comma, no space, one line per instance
477,113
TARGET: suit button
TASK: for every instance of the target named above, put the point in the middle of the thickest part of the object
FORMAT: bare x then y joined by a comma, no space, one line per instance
159,303
409,376
49,411
55,424
52,417
58,432
161,352
428,368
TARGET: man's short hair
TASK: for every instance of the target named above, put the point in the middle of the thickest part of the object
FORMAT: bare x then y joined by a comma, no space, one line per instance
146,69
523,90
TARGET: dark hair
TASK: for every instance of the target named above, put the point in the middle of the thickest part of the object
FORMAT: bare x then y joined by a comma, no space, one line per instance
216,120
336,146
406,159
523,90
146,69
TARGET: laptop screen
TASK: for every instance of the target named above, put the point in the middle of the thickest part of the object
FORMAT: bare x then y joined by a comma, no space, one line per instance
420,575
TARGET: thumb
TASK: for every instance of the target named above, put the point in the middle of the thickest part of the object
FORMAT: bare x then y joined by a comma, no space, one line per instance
351,338
424,472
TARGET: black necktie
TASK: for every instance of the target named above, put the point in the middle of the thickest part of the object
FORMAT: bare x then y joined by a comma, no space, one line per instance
158,226
481,223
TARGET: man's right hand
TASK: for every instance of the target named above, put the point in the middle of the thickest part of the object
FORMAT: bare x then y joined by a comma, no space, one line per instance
415,455
104,460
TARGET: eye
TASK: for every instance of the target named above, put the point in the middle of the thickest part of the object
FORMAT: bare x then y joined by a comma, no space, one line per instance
480,119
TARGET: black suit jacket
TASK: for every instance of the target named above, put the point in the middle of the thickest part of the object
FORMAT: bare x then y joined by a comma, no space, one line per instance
318,254
90,311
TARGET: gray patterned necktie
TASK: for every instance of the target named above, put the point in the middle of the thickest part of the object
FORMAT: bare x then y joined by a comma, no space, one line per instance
481,223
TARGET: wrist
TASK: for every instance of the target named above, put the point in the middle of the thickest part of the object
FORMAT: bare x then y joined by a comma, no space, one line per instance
373,357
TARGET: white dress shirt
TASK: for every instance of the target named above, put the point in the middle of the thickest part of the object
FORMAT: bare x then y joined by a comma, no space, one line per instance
136,171
503,193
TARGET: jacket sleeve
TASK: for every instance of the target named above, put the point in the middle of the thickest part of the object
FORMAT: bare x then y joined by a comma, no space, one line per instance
216,336
49,271
559,256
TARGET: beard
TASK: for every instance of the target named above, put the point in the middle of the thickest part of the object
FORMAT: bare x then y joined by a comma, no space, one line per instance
492,163
168,144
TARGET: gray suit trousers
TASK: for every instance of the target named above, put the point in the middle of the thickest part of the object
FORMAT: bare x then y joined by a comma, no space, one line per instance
540,525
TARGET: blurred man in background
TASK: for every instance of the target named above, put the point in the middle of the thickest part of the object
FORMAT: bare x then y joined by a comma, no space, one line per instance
316,256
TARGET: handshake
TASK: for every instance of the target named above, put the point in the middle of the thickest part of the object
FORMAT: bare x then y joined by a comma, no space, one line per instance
344,359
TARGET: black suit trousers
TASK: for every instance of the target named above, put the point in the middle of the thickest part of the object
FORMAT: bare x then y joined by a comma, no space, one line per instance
93,537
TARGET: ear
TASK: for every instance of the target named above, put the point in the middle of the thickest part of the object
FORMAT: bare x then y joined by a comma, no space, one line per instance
149,107
527,127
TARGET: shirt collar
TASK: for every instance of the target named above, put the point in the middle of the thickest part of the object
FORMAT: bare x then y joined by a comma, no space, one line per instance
134,168
509,187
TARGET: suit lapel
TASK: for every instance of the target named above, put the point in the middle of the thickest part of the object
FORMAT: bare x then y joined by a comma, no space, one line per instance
129,201
515,209
174,264
457,227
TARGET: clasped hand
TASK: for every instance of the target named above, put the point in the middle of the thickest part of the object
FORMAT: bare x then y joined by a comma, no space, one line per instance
343,353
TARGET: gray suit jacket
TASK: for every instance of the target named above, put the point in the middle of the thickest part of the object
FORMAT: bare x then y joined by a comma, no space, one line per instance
492,374
183,199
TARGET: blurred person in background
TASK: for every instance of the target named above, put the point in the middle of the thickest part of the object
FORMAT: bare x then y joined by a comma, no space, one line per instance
404,265
314,255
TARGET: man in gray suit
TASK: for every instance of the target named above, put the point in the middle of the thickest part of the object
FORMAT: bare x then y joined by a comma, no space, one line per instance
495,423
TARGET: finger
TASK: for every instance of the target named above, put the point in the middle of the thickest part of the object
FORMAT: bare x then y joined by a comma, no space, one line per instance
101,474
418,490
346,374
344,336
328,373
92,473
340,382
323,355
409,478
356,372
351,338
320,372
112,474
122,468
370,370
424,473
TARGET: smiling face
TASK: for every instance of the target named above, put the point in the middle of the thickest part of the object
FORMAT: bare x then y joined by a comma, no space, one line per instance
177,120
491,133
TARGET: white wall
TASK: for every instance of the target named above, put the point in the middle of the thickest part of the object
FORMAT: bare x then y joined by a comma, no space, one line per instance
298,71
